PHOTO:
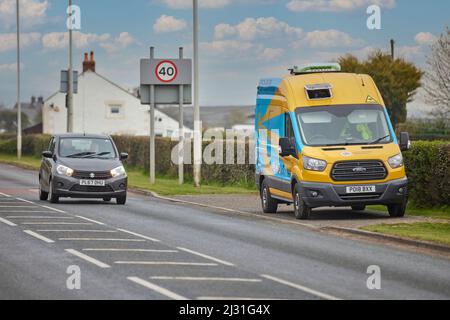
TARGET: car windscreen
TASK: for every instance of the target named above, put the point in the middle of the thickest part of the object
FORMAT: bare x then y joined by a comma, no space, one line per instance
343,125
86,148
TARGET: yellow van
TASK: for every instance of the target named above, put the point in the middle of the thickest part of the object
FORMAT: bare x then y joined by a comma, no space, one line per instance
324,138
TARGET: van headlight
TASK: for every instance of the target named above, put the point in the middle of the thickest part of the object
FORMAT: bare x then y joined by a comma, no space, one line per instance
396,161
314,164
117,172
64,171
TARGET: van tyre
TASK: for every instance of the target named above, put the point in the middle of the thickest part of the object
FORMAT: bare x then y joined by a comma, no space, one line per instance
121,200
397,210
301,210
269,204
359,208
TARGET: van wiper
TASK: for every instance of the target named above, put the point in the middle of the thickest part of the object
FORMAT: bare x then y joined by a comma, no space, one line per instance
379,139
81,154
93,154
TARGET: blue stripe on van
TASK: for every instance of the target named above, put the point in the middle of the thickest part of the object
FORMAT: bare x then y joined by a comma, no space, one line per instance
391,129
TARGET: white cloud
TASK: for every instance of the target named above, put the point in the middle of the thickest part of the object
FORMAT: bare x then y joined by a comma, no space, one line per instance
425,38
60,40
240,49
335,5
252,28
32,12
9,67
123,41
8,41
169,24
186,4
329,39
270,54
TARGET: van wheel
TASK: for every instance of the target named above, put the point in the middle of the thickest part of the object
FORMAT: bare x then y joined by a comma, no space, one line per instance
43,196
53,198
121,200
301,210
269,204
397,210
359,208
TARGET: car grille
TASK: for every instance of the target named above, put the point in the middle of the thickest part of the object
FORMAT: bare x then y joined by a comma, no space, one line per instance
358,170
98,175
78,188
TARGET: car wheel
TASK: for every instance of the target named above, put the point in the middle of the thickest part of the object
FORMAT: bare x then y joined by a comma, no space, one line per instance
121,200
269,204
359,208
397,210
301,210
107,199
43,196
53,198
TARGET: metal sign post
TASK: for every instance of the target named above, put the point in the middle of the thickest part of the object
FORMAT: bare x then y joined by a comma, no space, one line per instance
181,130
165,81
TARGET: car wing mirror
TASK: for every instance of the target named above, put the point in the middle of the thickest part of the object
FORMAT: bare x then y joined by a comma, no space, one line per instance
287,147
123,156
405,142
47,154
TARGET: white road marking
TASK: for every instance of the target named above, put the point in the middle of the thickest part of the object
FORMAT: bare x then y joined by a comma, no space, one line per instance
46,207
206,256
9,223
27,201
90,231
38,236
158,289
58,223
167,263
5,195
233,298
301,288
139,235
17,206
53,209
91,220
24,211
37,217
130,250
101,239
207,279
88,259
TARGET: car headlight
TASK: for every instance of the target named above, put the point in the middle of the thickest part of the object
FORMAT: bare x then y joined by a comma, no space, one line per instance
65,171
314,164
396,161
117,172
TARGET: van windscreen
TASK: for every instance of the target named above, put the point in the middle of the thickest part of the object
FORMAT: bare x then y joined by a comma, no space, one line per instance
343,125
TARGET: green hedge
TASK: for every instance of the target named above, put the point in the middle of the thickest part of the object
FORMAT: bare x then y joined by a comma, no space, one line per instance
427,163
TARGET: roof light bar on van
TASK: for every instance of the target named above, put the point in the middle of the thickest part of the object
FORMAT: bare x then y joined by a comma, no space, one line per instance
316,68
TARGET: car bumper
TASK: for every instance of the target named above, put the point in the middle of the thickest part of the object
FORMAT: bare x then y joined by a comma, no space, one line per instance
71,188
325,194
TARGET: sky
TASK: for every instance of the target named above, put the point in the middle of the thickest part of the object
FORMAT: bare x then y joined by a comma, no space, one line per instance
241,41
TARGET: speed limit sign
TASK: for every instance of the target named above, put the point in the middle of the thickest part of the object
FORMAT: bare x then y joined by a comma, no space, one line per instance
166,71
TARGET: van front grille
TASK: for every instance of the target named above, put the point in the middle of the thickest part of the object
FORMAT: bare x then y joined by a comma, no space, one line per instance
359,170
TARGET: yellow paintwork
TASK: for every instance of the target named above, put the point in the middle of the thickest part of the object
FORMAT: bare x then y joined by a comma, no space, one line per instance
279,193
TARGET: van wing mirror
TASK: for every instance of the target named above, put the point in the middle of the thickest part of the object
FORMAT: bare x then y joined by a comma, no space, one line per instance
47,154
287,147
405,143
123,156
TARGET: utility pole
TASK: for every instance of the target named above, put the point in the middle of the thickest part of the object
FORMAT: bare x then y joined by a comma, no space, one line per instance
70,75
392,48
181,130
197,126
152,126
19,107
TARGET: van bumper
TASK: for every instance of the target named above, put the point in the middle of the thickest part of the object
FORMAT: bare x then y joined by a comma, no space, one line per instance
391,192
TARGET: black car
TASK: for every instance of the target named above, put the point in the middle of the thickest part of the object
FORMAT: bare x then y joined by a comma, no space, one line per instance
83,166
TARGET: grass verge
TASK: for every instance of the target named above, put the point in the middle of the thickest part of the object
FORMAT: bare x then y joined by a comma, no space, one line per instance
139,179
433,232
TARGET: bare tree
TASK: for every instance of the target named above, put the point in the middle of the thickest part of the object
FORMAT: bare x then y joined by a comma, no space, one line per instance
437,84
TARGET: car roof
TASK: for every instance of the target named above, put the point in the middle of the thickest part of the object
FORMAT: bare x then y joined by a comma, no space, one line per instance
82,135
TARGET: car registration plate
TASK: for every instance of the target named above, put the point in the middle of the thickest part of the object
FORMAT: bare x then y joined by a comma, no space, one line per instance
361,189
95,183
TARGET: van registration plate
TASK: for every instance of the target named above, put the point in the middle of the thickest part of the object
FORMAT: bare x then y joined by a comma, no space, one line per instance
96,183
361,189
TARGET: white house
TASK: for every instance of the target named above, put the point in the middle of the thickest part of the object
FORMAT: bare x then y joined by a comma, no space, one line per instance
103,107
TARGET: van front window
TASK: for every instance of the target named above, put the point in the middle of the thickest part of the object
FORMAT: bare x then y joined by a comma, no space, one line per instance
343,125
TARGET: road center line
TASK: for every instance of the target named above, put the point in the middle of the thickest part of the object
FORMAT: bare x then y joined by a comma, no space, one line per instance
158,289
91,220
57,223
37,217
233,298
207,279
90,231
100,239
206,256
9,223
87,258
27,201
301,288
130,250
139,235
166,263
38,236
5,195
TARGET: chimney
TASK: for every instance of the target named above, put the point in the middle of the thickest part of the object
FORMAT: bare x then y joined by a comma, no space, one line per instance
89,63
33,100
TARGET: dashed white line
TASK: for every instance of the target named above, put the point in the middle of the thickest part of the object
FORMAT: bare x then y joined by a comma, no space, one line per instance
88,258
9,223
130,250
139,235
38,217
167,263
158,289
27,201
23,211
91,220
206,256
17,206
53,209
58,223
88,231
5,195
301,288
38,236
233,298
206,279
101,239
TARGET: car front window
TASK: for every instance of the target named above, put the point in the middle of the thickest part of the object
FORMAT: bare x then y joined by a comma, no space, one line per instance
86,148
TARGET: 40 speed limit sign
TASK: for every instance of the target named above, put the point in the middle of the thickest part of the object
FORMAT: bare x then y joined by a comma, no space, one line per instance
166,71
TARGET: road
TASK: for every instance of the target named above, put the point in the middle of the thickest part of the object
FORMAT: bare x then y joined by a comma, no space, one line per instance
153,249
